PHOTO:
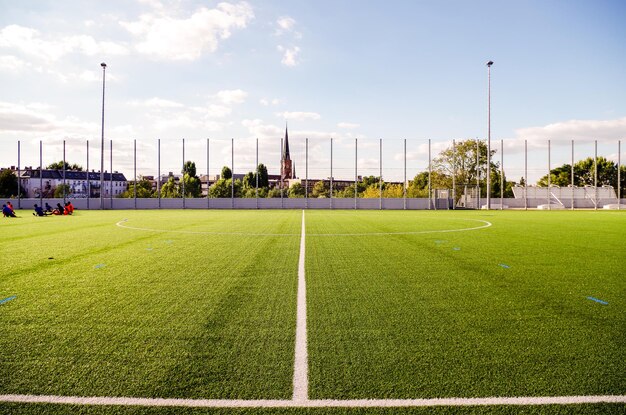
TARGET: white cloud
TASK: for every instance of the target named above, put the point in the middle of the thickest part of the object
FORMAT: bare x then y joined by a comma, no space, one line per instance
266,102
285,24
30,42
348,125
601,130
169,38
259,129
12,63
157,103
290,55
298,115
232,96
36,117
216,111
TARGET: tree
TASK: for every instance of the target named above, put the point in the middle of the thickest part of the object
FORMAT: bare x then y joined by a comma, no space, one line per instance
584,173
296,190
393,191
460,161
8,183
226,173
62,190
144,189
223,188
371,192
320,190
274,192
170,189
59,166
189,168
220,189
249,181
261,172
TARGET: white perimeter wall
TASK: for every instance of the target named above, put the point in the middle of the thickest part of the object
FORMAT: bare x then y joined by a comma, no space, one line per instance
289,203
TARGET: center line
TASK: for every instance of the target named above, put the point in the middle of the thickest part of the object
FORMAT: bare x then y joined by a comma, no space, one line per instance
301,364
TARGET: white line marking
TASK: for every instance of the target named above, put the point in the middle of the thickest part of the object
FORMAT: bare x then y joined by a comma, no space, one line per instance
486,225
301,363
314,403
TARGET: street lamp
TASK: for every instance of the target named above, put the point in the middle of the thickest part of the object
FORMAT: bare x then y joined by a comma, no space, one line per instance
104,67
489,134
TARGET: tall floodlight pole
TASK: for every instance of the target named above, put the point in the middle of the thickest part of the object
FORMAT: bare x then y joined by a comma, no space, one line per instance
429,173
380,172
502,182
159,171
489,134
208,187
40,173
104,67
232,173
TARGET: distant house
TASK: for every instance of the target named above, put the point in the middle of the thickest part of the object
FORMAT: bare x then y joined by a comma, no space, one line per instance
42,183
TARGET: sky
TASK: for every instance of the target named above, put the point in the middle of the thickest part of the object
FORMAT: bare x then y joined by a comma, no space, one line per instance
338,69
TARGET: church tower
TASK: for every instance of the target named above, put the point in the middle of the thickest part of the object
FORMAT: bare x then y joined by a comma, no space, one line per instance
286,165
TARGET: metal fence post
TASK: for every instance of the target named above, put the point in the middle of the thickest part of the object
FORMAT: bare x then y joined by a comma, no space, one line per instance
183,173
525,175
572,167
404,184
159,171
429,174
356,160
331,173
595,174
549,183
87,176
19,179
135,170
380,172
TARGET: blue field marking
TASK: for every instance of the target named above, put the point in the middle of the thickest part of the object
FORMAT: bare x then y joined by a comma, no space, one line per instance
98,266
13,297
504,266
597,300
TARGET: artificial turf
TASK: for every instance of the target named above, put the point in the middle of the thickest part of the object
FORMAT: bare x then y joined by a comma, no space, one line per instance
501,311
102,310
207,310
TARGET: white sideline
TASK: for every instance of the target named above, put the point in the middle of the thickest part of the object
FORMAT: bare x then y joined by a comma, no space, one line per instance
301,363
313,403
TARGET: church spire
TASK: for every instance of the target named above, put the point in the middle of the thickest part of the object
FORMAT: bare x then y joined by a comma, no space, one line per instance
286,152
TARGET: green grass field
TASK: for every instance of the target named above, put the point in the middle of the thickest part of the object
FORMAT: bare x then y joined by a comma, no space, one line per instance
202,305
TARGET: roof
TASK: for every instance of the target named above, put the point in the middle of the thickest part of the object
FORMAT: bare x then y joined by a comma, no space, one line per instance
72,175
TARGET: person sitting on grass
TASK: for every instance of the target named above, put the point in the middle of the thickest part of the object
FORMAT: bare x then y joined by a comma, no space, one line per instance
69,208
48,208
7,212
39,211
59,210
10,206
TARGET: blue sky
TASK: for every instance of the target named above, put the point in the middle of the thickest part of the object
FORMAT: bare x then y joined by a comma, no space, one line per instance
392,70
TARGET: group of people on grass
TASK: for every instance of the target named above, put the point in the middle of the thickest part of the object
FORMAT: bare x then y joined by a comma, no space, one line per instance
68,209
7,211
